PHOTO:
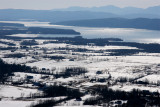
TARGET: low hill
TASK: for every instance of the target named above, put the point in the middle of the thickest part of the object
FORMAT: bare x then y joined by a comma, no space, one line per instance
50,16
138,23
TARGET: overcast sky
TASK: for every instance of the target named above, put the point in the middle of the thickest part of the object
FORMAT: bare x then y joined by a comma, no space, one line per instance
52,4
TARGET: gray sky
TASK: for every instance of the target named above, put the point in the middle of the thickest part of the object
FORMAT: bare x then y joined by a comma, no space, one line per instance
51,4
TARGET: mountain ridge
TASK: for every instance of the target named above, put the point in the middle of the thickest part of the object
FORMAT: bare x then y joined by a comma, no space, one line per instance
59,16
114,9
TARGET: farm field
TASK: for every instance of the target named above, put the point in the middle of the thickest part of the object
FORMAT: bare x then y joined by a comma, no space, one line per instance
82,67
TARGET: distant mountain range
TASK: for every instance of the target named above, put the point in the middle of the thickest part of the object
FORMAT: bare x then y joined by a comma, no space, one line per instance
50,16
138,23
79,13
127,12
116,10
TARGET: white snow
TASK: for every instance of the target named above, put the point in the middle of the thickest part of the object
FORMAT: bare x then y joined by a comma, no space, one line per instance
12,91
15,103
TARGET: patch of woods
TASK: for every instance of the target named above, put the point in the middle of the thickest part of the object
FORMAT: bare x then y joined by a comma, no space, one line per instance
124,79
147,82
8,43
8,69
57,91
71,71
135,98
150,48
38,30
8,48
55,57
10,29
16,55
54,91
49,103
67,72
29,42
73,49
123,52
144,82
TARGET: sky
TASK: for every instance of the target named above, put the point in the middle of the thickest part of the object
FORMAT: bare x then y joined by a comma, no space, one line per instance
54,4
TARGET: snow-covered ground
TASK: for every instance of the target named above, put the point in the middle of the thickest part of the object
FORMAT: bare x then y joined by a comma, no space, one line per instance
15,103
15,92
139,67
155,78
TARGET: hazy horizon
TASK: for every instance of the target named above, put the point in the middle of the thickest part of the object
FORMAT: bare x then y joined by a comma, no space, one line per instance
56,4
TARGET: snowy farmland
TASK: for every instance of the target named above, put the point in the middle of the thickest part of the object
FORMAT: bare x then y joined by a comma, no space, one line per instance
61,64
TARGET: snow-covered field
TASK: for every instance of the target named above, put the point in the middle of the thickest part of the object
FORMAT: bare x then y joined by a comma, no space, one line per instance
15,92
136,67
15,103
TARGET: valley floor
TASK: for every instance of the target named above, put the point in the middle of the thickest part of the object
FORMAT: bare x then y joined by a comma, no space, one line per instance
124,72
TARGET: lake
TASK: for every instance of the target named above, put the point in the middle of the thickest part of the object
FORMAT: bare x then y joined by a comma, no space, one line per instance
127,34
